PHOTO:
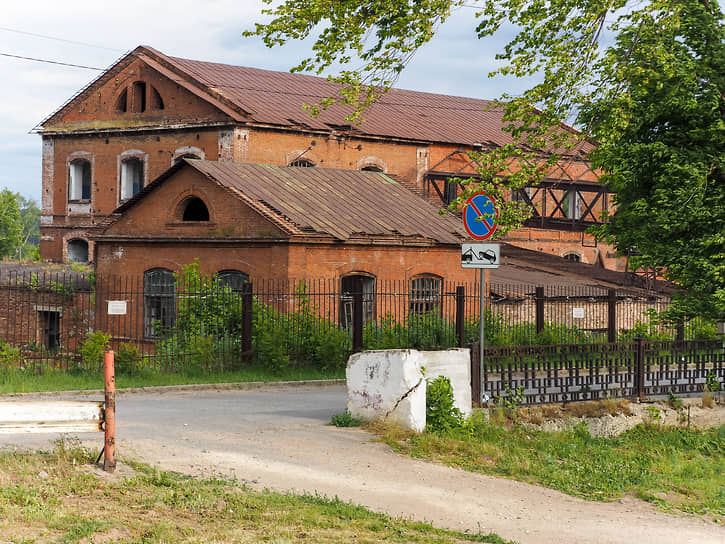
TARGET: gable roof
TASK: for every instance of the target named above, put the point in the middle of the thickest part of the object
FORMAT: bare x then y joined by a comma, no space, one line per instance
344,204
276,99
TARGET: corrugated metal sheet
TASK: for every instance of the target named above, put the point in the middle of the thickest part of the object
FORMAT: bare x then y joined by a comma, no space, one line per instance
340,203
277,98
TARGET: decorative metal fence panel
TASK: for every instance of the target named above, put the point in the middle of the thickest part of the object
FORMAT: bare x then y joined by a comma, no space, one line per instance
569,373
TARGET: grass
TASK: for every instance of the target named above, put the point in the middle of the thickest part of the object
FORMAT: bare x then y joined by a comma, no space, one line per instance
18,381
56,497
675,468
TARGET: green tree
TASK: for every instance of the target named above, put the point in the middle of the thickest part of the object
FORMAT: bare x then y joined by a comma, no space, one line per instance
11,227
652,101
30,219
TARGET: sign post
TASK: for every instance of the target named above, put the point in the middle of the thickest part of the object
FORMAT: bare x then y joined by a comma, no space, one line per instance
479,218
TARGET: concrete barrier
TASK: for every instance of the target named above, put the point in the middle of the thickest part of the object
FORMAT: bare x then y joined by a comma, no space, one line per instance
391,384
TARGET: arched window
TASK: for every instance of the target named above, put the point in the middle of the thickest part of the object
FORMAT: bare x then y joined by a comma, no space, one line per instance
77,251
232,278
371,168
79,183
132,177
159,301
122,101
157,103
572,256
195,210
425,294
185,156
304,163
138,97
350,286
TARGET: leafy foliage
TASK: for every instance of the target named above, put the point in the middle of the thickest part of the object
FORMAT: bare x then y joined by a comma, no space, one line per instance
19,226
441,415
642,79
92,349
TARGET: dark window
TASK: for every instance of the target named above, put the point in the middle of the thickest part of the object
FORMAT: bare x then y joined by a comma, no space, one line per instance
78,251
575,257
349,286
371,168
303,163
425,294
195,210
157,103
80,180
159,301
138,97
49,322
232,278
450,192
122,101
132,177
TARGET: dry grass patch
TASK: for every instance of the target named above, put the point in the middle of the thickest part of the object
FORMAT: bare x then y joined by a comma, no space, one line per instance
53,497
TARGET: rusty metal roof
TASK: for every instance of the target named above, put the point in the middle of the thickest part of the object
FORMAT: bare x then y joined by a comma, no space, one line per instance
344,204
277,98
524,268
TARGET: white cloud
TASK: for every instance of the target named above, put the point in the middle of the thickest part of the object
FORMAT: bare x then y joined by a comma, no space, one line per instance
456,62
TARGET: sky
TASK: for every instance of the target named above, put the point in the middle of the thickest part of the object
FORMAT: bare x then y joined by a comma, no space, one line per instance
96,33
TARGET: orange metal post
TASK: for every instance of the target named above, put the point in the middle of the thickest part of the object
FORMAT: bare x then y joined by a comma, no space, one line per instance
109,459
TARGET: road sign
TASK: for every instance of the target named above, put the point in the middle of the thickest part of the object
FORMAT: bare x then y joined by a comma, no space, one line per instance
480,206
480,255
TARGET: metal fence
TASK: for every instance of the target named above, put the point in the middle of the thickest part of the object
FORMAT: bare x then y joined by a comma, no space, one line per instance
570,373
191,322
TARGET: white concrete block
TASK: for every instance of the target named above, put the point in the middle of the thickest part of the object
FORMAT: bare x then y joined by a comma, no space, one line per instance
455,364
388,385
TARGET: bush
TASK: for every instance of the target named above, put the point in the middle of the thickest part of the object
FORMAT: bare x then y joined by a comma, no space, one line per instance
9,356
441,415
93,348
128,360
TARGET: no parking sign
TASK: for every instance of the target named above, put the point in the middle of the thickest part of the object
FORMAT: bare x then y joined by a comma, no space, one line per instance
479,216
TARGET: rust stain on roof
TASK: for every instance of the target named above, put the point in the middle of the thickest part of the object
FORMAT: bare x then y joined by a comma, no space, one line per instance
339,203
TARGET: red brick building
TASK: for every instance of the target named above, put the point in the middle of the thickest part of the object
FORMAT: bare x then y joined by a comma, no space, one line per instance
149,110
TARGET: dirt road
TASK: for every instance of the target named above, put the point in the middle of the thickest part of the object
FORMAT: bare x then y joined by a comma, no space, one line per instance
278,438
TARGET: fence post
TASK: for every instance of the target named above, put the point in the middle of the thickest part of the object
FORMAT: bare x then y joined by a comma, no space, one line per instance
476,373
539,310
639,367
357,315
611,316
109,447
461,315
247,319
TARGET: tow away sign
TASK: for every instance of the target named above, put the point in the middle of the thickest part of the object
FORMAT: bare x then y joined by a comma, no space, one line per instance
480,255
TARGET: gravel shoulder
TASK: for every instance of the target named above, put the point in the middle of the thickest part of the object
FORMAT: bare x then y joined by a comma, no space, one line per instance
277,438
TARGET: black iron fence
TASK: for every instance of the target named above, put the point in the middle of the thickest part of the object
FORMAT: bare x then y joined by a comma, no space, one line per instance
569,373
191,322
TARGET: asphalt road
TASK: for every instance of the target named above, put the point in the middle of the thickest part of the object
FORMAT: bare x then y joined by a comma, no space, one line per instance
278,437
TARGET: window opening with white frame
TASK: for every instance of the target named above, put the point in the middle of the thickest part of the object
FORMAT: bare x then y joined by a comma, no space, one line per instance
132,177
79,184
